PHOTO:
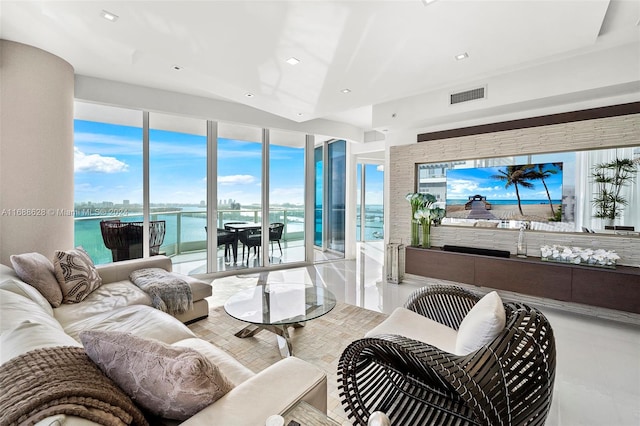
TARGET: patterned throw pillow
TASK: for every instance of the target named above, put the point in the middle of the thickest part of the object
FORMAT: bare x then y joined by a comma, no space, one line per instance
37,271
168,381
76,274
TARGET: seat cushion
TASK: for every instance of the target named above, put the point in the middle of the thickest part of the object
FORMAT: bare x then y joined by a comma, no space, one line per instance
105,298
417,327
481,325
139,320
17,308
28,336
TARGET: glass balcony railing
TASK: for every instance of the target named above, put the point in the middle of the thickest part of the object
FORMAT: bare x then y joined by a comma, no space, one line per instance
185,231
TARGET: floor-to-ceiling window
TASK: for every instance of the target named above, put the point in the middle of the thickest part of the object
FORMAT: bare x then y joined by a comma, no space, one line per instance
286,197
369,202
239,174
178,187
108,173
197,176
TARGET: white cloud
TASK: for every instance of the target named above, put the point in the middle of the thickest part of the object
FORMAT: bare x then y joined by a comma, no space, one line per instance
96,163
236,180
461,186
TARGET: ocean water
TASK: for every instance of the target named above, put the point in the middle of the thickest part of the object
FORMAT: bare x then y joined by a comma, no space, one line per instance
192,229
460,201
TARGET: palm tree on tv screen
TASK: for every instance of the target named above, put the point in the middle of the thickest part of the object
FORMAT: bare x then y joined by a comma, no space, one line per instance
518,176
541,172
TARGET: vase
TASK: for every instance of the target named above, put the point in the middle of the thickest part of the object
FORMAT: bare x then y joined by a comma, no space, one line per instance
426,236
415,233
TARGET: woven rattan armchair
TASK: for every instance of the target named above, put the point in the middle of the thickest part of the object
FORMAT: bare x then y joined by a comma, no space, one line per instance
124,239
507,382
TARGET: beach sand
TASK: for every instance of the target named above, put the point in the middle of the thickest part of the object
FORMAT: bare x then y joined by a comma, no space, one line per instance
533,212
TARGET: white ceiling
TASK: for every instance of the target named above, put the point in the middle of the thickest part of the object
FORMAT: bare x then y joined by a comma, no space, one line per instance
383,51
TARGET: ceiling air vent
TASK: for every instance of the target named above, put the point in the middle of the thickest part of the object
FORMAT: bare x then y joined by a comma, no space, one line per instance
467,95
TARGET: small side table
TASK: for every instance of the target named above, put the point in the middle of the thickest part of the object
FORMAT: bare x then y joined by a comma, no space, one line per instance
307,415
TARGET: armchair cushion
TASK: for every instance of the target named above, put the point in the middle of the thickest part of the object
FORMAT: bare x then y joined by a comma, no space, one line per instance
481,325
417,327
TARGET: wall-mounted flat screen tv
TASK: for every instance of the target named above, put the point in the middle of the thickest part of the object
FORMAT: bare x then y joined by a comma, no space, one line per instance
519,192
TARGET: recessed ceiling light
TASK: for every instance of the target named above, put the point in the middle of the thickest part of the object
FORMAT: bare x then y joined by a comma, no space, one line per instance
428,2
462,56
109,16
249,95
300,114
176,67
346,91
292,61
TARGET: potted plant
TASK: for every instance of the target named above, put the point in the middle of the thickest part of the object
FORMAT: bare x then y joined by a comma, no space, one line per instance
609,179
419,203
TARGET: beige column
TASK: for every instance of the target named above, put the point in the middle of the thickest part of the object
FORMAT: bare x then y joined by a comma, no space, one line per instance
36,151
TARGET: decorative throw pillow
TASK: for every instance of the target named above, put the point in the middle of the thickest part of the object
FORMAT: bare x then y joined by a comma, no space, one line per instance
170,382
37,271
481,325
76,274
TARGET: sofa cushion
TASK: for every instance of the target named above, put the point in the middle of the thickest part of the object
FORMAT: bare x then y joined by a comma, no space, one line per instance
232,368
23,289
76,274
170,382
119,271
37,271
28,336
105,298
140,320
481,325
410,324
199,288
17,308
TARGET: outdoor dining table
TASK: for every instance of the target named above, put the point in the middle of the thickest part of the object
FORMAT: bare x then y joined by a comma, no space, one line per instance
237,228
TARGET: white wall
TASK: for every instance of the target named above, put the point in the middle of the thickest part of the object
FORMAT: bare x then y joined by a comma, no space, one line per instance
36,151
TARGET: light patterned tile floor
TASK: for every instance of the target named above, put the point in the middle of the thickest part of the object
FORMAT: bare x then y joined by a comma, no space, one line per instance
598,367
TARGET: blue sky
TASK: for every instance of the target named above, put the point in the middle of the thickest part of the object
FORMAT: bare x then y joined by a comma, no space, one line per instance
463,183
108,167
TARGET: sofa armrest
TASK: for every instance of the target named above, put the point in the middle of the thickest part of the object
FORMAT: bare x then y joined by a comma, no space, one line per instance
272,391
118,271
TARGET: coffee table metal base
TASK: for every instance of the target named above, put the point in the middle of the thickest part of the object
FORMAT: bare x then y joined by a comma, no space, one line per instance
281,331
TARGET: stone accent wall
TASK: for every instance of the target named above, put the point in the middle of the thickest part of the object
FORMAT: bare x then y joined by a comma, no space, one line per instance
622,131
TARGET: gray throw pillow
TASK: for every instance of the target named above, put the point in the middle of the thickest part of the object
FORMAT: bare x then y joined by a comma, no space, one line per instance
76,274
170,382
37,271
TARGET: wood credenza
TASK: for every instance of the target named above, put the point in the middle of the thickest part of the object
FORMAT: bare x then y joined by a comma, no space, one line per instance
608,288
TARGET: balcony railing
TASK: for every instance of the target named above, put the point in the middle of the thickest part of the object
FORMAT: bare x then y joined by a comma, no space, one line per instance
185,230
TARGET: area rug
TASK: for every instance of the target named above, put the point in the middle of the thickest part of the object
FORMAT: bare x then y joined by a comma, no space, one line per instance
320,342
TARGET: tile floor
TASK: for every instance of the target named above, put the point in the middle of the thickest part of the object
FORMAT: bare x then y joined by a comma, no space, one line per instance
598,360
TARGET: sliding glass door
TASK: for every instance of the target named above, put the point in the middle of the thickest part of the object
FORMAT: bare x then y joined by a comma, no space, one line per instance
330,199
369,202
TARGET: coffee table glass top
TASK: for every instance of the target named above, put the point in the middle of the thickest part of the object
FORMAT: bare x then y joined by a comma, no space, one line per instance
280,303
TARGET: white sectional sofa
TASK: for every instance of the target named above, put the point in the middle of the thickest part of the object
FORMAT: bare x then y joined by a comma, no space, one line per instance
28,322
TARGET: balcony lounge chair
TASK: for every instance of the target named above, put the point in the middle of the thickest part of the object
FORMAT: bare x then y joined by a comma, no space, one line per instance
124,239
507,381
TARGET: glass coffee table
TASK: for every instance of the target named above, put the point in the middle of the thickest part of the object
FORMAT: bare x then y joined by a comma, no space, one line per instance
276,307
